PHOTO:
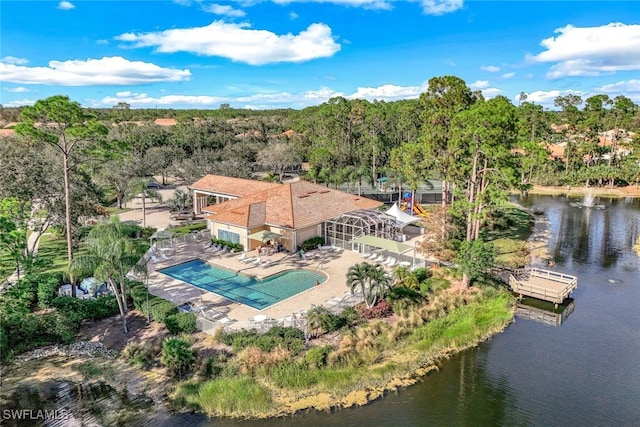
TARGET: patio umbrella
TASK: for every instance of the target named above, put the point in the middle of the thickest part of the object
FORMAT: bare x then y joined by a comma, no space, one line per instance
264,235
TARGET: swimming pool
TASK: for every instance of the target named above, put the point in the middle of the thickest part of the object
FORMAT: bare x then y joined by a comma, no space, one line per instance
241,288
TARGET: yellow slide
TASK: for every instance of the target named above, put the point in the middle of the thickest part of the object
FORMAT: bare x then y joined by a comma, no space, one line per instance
419,210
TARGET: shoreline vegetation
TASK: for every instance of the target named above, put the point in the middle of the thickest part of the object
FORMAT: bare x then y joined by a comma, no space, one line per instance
628,191
377,358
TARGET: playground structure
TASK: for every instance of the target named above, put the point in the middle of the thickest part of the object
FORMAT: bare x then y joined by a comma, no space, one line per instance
411,208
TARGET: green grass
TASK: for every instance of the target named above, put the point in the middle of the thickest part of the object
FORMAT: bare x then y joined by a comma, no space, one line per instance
54,248
226,397
188,228
515,224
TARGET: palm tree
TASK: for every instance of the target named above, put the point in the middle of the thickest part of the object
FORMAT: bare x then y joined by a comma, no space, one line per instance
139,187
318,318
403,277
379,283
372,279
362,172
110,255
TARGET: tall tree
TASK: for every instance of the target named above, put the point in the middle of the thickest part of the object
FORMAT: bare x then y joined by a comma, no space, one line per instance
63,124
445,97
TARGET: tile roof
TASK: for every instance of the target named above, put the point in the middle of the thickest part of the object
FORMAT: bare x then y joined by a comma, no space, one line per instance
292,205
237,187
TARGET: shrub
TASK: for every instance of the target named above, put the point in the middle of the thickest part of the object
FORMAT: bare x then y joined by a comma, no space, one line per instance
312,243
237,246
291,339
316,357
87,309
142,355
210,368
421,274
178,356
378,311
47,289
161,308
181,323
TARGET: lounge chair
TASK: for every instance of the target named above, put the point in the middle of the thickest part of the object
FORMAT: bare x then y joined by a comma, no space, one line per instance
257,261
242,256
249,259
231,253
391,263
154,258
164,256
207,245
265,264
380,258
214,248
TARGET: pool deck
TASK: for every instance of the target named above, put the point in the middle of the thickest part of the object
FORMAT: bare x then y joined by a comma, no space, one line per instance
238,316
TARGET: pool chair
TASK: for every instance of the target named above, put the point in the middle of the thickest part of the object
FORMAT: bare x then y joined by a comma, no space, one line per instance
154,258
265,264
164,256
212,314
257,261
248,260
207,245
214,248
391,262
242,256
379,258
231,253
223,251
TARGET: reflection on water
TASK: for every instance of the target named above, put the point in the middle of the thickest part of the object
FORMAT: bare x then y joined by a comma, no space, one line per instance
545,312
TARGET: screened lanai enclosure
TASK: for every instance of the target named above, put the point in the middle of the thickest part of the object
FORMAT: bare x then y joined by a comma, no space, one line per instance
342,230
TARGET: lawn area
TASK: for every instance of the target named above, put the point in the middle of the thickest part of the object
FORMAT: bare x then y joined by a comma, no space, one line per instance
513,227
7,266
54,248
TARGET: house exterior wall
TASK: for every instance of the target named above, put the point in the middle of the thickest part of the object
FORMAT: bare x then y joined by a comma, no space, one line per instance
241,231
307,233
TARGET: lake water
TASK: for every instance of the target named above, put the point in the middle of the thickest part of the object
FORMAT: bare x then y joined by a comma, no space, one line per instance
584,372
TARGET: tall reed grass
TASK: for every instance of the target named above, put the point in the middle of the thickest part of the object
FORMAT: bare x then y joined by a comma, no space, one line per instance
226,397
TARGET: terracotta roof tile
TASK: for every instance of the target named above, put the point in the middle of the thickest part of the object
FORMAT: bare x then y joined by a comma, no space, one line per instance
237,187
292,205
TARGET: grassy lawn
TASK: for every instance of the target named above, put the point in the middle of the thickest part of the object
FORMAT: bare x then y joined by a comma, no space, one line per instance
55,249
7,266
514,227
188,228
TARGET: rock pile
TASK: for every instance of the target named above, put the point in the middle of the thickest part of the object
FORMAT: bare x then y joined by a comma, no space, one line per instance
80,348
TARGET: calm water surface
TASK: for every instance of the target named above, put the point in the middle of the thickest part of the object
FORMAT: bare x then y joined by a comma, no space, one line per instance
584,372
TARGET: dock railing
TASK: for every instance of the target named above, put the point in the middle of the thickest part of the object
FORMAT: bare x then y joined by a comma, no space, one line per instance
530,286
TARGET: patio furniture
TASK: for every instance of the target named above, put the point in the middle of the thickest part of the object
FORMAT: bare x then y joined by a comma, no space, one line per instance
154,258
265,264
231,253
163,256
249,260
242,256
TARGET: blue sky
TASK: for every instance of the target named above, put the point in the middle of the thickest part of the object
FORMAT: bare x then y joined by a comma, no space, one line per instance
295,53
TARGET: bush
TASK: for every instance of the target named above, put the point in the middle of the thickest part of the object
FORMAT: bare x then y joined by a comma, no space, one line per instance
434,284
316,357
47,289
237,246
178,356
141,355
378,311
161,308
312,243
87,309
210,368
421,274
181,323
290,338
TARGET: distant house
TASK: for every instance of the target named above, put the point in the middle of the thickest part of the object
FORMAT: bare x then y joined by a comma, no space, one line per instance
294,211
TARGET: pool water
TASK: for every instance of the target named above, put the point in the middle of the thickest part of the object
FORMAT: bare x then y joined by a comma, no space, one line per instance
244,289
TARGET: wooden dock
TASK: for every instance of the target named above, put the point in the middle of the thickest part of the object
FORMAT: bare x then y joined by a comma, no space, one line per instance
544,284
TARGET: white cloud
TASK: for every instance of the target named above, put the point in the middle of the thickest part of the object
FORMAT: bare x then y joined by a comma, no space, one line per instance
591,51
293,15
480,84
388,92
66,5
621,87
508,75
491,92
490,68
144,100
240,43
18,89
92,72
19,103
14,60
366,4
546,98
225,10
102,42
440,7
